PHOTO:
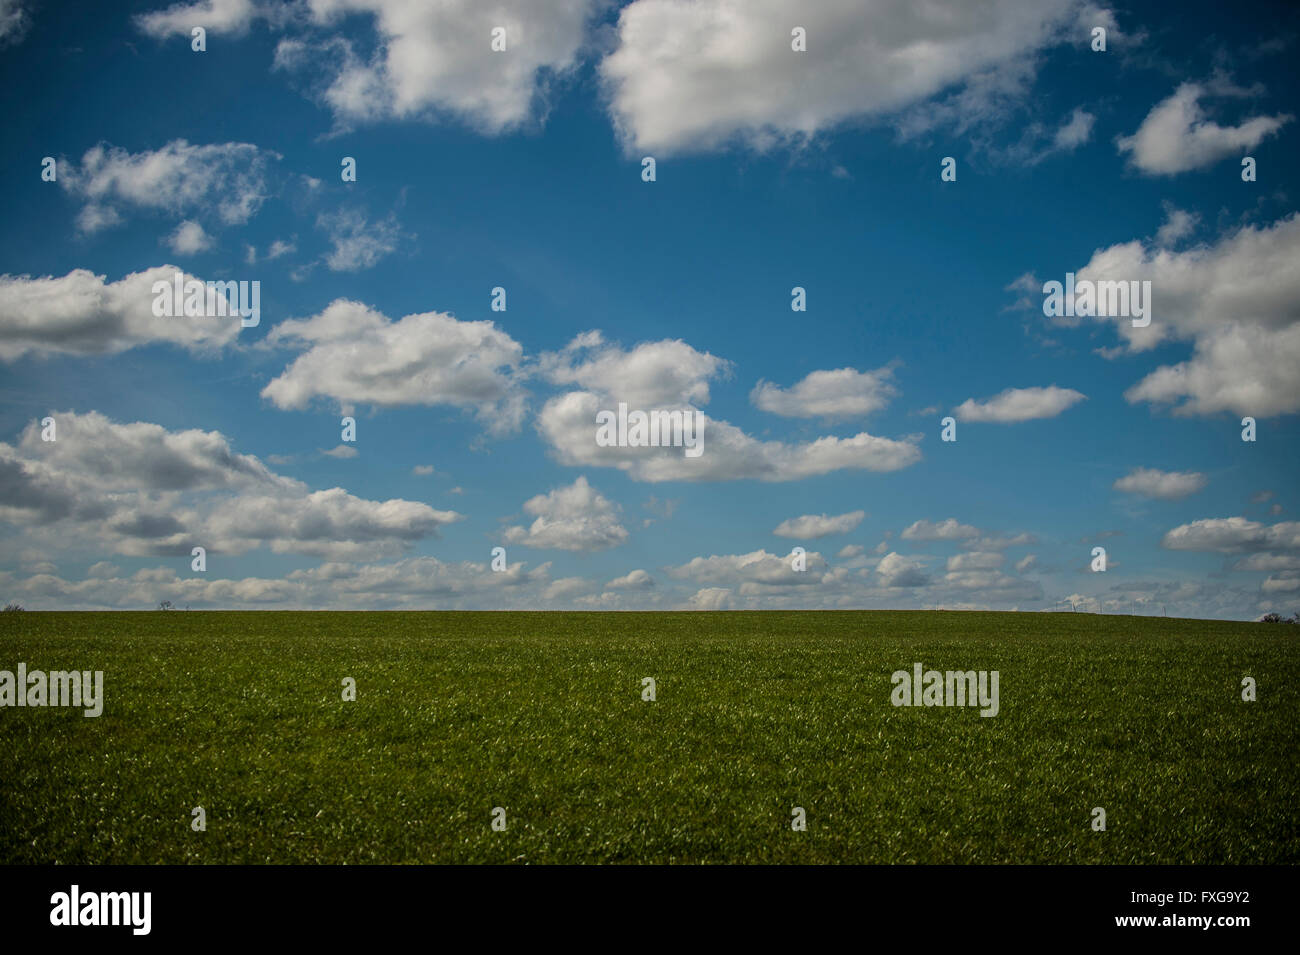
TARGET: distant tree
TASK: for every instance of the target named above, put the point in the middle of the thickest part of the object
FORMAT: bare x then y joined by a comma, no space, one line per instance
13,608
165,605
1278,618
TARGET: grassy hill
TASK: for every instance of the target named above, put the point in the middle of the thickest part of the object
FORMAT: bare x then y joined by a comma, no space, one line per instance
542,714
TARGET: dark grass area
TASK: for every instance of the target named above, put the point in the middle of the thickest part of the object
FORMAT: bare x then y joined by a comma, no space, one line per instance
541,714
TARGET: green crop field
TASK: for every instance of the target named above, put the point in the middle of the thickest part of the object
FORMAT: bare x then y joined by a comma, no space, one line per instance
542,714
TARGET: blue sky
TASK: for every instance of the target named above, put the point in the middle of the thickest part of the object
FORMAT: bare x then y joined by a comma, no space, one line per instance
522,169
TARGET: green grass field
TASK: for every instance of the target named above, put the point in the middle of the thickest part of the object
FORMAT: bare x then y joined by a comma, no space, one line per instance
541,714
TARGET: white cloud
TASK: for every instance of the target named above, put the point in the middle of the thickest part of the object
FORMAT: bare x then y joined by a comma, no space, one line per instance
410,583
576,517
1178,225
1076,131
433,58
688,77
1229,535
753,573
189,238
946,530
354,355
1285,584
1177,137
328,523
1039,142
567,587
1029,291
849,551
81,314
1236,300
991,585
103,570
813,526
180,179
280,248
976,560
357,242
342,451
567,423
710,598
138,489
999,541
1164,485
633,580
838,394
671,375
1019,404
895,570
650,375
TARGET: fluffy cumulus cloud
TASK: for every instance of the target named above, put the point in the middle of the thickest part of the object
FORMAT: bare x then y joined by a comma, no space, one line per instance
673,376
575,518
1020,404
813,526
653,374
1176,135
945,530
189,238
180,179
710,598
633,580
1164,485
1229,535
137,489
433,58
1273,549
895,570
354,355
1236,300
976,560
567,423
752,574
694,76
83,314
842,393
